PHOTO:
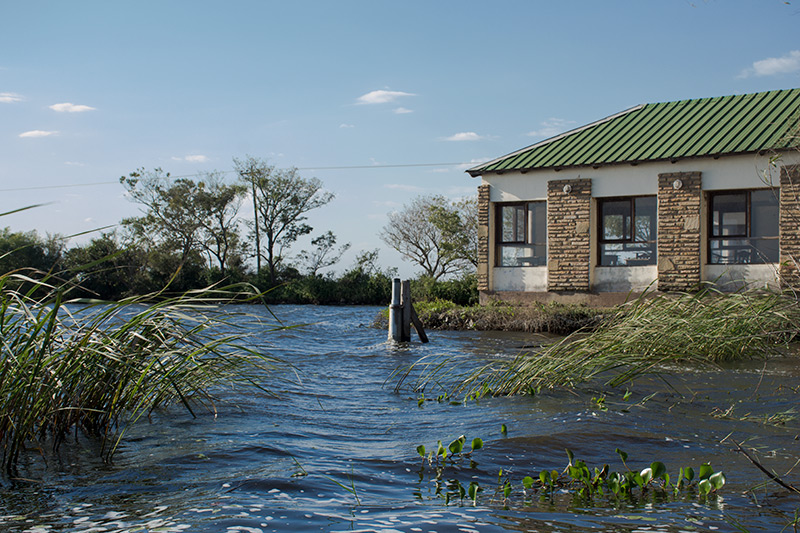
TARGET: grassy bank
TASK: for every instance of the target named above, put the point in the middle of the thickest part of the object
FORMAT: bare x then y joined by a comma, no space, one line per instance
558,319
653,335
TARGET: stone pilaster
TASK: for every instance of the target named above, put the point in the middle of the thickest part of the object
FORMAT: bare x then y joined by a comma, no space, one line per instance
569,204
679,201
483,237
790,226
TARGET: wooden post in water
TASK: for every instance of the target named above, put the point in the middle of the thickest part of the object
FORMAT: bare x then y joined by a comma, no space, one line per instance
402,314
395,313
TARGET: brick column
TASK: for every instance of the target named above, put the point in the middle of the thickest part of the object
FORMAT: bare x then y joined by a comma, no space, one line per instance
790,226
483,237
569,204
679,201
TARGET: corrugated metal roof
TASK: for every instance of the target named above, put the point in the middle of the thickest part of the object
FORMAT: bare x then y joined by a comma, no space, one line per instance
668,131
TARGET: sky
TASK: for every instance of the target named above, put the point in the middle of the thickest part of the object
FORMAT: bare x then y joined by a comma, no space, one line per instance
382,101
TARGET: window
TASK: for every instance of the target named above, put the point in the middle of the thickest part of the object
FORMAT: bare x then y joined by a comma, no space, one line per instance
522,234
628,231
744,227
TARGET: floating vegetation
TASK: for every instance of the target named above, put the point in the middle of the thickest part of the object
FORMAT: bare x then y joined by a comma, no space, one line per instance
97,366
577,478
647,336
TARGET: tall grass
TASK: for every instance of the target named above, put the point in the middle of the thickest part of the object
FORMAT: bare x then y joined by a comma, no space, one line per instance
97,366
649,335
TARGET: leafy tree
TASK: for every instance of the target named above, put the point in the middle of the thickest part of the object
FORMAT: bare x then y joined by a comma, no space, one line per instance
187,218
27,250
323,255
438,235
105,269
281,199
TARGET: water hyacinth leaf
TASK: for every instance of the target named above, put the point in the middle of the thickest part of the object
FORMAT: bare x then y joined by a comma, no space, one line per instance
473,490
659,470
544,477
440,450
717,480
688,473
456,446
477,443
570,455
704,486
527,482
504,430
421,450
622,455
647,475
706,471
507,489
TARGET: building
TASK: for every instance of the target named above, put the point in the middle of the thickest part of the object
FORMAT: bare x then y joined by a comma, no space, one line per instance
660,197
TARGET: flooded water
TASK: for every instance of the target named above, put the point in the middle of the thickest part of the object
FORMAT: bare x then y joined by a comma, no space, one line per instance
335,450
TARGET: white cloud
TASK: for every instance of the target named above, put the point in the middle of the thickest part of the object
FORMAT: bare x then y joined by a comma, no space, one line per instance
464,136
10,98
74,164
346,126
37,133
551,127
381,97
473,162
773,66
192,158
402,111
68,107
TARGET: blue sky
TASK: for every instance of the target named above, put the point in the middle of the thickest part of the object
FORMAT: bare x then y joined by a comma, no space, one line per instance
93,90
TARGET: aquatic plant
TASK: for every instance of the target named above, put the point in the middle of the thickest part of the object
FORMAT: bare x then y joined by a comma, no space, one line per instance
585,483
91,366
647,336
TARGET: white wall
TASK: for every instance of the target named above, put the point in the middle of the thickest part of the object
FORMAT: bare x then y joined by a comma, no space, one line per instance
526,279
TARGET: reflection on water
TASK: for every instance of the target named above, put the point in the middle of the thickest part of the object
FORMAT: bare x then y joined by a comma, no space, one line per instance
335,451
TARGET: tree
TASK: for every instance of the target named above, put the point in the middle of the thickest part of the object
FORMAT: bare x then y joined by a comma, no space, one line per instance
438,235
323,255
185,216
281,200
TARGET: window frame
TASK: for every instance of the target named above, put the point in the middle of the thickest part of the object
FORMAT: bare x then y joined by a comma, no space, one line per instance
526,237
601,240
747,236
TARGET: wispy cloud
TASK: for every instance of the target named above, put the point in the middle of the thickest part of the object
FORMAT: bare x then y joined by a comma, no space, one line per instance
74,164
68,107
192,158
10,98
473,162
464,136
37,133
381,97
772,66
346,126
402,111
551,127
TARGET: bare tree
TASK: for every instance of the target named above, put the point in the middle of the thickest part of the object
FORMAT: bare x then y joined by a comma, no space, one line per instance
434,233
323,255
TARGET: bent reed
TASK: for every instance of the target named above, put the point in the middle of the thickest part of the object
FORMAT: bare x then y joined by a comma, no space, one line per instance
645,336
97,366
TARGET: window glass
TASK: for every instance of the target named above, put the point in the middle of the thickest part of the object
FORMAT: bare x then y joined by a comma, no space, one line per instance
616,216
519,245
744,227
628,231
729,215
513,223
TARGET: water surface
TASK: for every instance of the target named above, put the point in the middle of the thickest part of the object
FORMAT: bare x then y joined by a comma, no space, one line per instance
334,450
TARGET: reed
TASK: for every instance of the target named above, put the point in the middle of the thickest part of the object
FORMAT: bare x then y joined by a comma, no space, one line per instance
91,366
646,336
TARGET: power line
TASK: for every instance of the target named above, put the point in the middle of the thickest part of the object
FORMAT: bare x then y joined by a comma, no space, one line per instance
198,174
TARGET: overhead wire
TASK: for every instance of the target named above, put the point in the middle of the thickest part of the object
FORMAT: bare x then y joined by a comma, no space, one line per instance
198,174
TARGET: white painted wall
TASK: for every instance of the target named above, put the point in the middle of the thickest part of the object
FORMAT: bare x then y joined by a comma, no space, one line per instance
733,172
625,278
731,278
527,279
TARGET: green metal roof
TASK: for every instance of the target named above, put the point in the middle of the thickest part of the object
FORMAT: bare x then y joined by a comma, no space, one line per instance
723,125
